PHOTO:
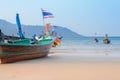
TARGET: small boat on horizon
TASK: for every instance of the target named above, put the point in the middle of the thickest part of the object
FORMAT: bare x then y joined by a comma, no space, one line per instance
106,40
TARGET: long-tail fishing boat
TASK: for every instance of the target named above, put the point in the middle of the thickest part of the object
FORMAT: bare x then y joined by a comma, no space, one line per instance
106,40
24,48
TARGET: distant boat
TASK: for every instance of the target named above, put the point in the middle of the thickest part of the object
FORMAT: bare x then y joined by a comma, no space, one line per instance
24,48
106,40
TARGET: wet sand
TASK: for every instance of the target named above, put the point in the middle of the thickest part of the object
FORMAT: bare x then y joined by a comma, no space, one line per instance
66,65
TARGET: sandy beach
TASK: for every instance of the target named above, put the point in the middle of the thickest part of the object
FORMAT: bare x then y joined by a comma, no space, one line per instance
83,37
66,65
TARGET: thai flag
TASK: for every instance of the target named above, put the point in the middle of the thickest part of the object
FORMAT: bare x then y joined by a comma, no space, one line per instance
47,14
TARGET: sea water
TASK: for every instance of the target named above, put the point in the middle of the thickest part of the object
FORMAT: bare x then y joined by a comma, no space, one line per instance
86,48
88,43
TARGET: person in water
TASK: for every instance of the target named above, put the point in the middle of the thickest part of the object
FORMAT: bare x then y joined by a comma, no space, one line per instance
106,36
96,40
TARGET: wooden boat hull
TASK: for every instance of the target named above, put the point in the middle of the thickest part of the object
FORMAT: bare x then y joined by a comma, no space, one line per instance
19,57
24,48
13,53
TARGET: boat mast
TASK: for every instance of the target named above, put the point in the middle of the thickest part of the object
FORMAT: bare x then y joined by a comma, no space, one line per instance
19,27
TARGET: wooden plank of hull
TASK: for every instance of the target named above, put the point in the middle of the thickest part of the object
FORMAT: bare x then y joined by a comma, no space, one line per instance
23,52
5,48
19,57
0,49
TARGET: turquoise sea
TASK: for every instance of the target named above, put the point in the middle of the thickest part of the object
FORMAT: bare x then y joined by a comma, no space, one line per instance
86,50
88,43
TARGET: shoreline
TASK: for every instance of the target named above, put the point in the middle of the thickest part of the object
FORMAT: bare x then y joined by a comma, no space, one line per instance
84,51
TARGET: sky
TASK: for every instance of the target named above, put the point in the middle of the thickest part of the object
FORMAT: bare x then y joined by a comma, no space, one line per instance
85,17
